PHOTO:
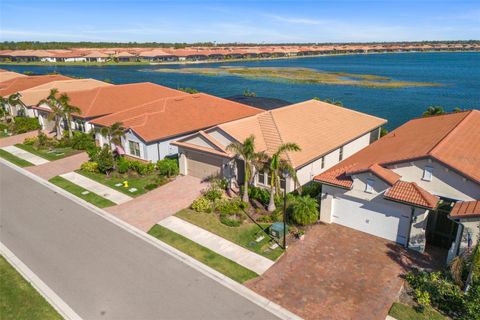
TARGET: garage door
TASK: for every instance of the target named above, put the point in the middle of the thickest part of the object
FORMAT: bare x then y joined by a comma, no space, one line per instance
203,166
373,218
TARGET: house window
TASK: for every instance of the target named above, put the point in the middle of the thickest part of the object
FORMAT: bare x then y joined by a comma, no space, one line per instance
282,183
427,173
134,148
261,177
340,154
323,162
369,186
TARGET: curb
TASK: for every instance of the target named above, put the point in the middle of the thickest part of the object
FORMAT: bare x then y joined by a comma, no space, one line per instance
243,291
52,298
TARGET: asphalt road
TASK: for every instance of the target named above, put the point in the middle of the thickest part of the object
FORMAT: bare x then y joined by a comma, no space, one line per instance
101,270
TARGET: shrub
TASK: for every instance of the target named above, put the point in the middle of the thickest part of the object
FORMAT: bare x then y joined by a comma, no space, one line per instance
123,165
304,210
221,184
151,186
312,189
260,194
168,167
43,141
202,204
264,219
213,193
30,141
89,166
93,153
81,141
23,125
105,160
229,206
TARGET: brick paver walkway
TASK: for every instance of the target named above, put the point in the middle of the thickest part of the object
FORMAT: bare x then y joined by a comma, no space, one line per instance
10,141
146,210
58,167
336,273
228,249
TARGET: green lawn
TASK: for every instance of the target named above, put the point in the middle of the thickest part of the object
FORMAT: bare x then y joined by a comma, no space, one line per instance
134,182
51,155
243,235
202,254
14,159
19,300
404,312
93,198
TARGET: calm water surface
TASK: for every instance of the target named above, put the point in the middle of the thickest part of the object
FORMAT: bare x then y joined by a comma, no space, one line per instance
459,74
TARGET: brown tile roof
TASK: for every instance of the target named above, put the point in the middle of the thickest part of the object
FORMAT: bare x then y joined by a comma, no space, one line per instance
466,209
317,127
104,100
31,97
451,139
8,75
170,117
22,83
411,193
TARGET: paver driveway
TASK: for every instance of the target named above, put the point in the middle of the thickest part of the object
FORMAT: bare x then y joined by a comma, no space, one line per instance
146,210
58,167
336,273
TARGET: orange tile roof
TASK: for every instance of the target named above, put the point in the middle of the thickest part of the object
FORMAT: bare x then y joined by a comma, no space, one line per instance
451,139
101,101
8,75
411,193
466,209
385,174
22,83
317,127
174,116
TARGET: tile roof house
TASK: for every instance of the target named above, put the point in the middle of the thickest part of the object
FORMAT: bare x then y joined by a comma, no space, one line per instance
23,83
8,75
403,186
324,132
151,126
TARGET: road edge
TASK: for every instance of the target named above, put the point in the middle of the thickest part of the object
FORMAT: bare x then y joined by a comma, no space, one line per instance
240,289
41,287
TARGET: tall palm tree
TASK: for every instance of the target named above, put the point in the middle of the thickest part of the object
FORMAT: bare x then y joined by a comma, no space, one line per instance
56,114
433,111
68,109
246,152
13,100
276,169
4,106
113,133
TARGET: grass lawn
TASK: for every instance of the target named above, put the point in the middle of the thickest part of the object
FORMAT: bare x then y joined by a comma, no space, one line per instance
202,254
403,312
51,155
19,300
133,182
14,159
93,198
243,235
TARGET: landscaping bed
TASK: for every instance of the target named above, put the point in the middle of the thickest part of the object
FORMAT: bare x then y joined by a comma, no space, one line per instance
80,192
14,159
50,154
202,254
405,312
19,125
19,300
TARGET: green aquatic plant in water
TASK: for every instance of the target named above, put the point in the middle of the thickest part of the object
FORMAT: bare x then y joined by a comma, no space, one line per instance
302,75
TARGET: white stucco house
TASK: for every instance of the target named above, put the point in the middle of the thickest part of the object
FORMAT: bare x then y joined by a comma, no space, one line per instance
326,133
150,128
403,187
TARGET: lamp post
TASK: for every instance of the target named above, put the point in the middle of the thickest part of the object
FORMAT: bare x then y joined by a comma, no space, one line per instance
285,176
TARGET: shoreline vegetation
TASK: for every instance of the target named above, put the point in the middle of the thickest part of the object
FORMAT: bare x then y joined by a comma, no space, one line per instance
194,62
302,75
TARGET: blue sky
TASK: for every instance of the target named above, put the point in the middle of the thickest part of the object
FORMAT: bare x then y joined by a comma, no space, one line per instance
239,20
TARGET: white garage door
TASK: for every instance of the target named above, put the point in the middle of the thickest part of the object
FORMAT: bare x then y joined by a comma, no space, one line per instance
380,220
203,166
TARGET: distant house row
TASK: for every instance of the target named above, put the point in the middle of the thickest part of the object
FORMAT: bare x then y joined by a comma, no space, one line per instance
418,186
212,53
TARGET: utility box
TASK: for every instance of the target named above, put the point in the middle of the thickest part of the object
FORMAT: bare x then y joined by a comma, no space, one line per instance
276,230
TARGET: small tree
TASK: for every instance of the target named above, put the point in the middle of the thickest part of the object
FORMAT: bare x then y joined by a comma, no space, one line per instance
13,100
433,111
113,133
304,210
56,113
168,167
105,160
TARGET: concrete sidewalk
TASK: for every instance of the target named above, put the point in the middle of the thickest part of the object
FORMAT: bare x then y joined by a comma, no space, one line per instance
95,187
59,167
25,155
230,250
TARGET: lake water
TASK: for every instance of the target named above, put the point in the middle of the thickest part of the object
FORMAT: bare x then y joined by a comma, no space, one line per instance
459,74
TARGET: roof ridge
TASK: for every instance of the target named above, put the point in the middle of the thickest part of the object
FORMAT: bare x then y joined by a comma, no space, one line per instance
94,99
421,191
449,133
270,114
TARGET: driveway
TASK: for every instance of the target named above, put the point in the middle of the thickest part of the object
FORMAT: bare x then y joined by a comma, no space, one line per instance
146,210
337,273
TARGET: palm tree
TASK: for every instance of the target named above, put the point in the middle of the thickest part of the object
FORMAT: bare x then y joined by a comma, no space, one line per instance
57,113
13,100
277,167
113,133
251,159
4,106
68,109
433,111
